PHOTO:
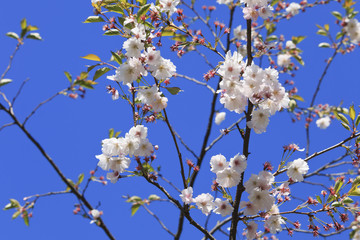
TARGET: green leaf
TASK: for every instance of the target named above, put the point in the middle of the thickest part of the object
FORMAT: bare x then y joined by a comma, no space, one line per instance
92,57
298,39
271,38
100,72
339,35
352,113
324,45
153,197
319,199
23,24
112,32
86,83
93,19
337,15
134,199
322,32
12,35
355,192
134,209
327,27
68,76
116,57
348,200
179,38
115,8
336,204
297,97
13,204
80,178
16,214
26,218
338,185
357,121
117,134
111,132
92,67
299,59
173,90
32,28
343,118
35,36
142,11
345,126
5,81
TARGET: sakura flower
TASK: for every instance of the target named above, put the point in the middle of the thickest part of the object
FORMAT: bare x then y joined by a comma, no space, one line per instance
205,203
249,208
145,148
169,6
220,117
218,163
111,147
186,195
283,60
129,144
262,199
323,122
238,163
104,162
113,176
159,103
95,213
290,44
223,207
129,71
266,12
164,69
274,223
224,1
240,34
119,164
250,13
147,95
228,177
259,120
293,8
251,230
152,56
133,47
139,131
296,169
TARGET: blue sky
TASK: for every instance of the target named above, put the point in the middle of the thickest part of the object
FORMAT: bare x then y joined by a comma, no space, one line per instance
71,130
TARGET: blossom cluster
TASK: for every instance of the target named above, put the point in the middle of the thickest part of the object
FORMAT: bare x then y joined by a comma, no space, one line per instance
142,58
253,8
260,86
353,30
115,150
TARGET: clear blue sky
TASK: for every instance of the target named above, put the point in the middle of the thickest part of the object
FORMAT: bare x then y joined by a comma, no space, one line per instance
71,130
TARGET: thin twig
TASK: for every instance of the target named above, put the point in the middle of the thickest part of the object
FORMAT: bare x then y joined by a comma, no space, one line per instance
57,170
170,183
6,125
46,194
185,145
325,166
11,59
42,103
196,81
19,91
223,134
159,221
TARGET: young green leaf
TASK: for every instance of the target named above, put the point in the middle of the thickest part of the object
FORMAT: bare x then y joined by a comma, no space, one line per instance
134,208
112,32
352,113
35,36
12,35
142,11
100,72
5,81
93,19
92,57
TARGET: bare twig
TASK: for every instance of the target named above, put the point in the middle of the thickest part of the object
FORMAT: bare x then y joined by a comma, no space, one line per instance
6,125
185,145
42,103
37,196
196,81
19,91
11,59
170,183
158,219
57,170
326,166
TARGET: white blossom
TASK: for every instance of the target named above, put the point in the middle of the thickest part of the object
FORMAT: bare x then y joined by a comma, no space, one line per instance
251,230
262,199
133,47
223,207
205,203
323,122
186,195
218,163
168,6
284,60
296,169
220,117
238,163
293,8
274,223
228,178
259,120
